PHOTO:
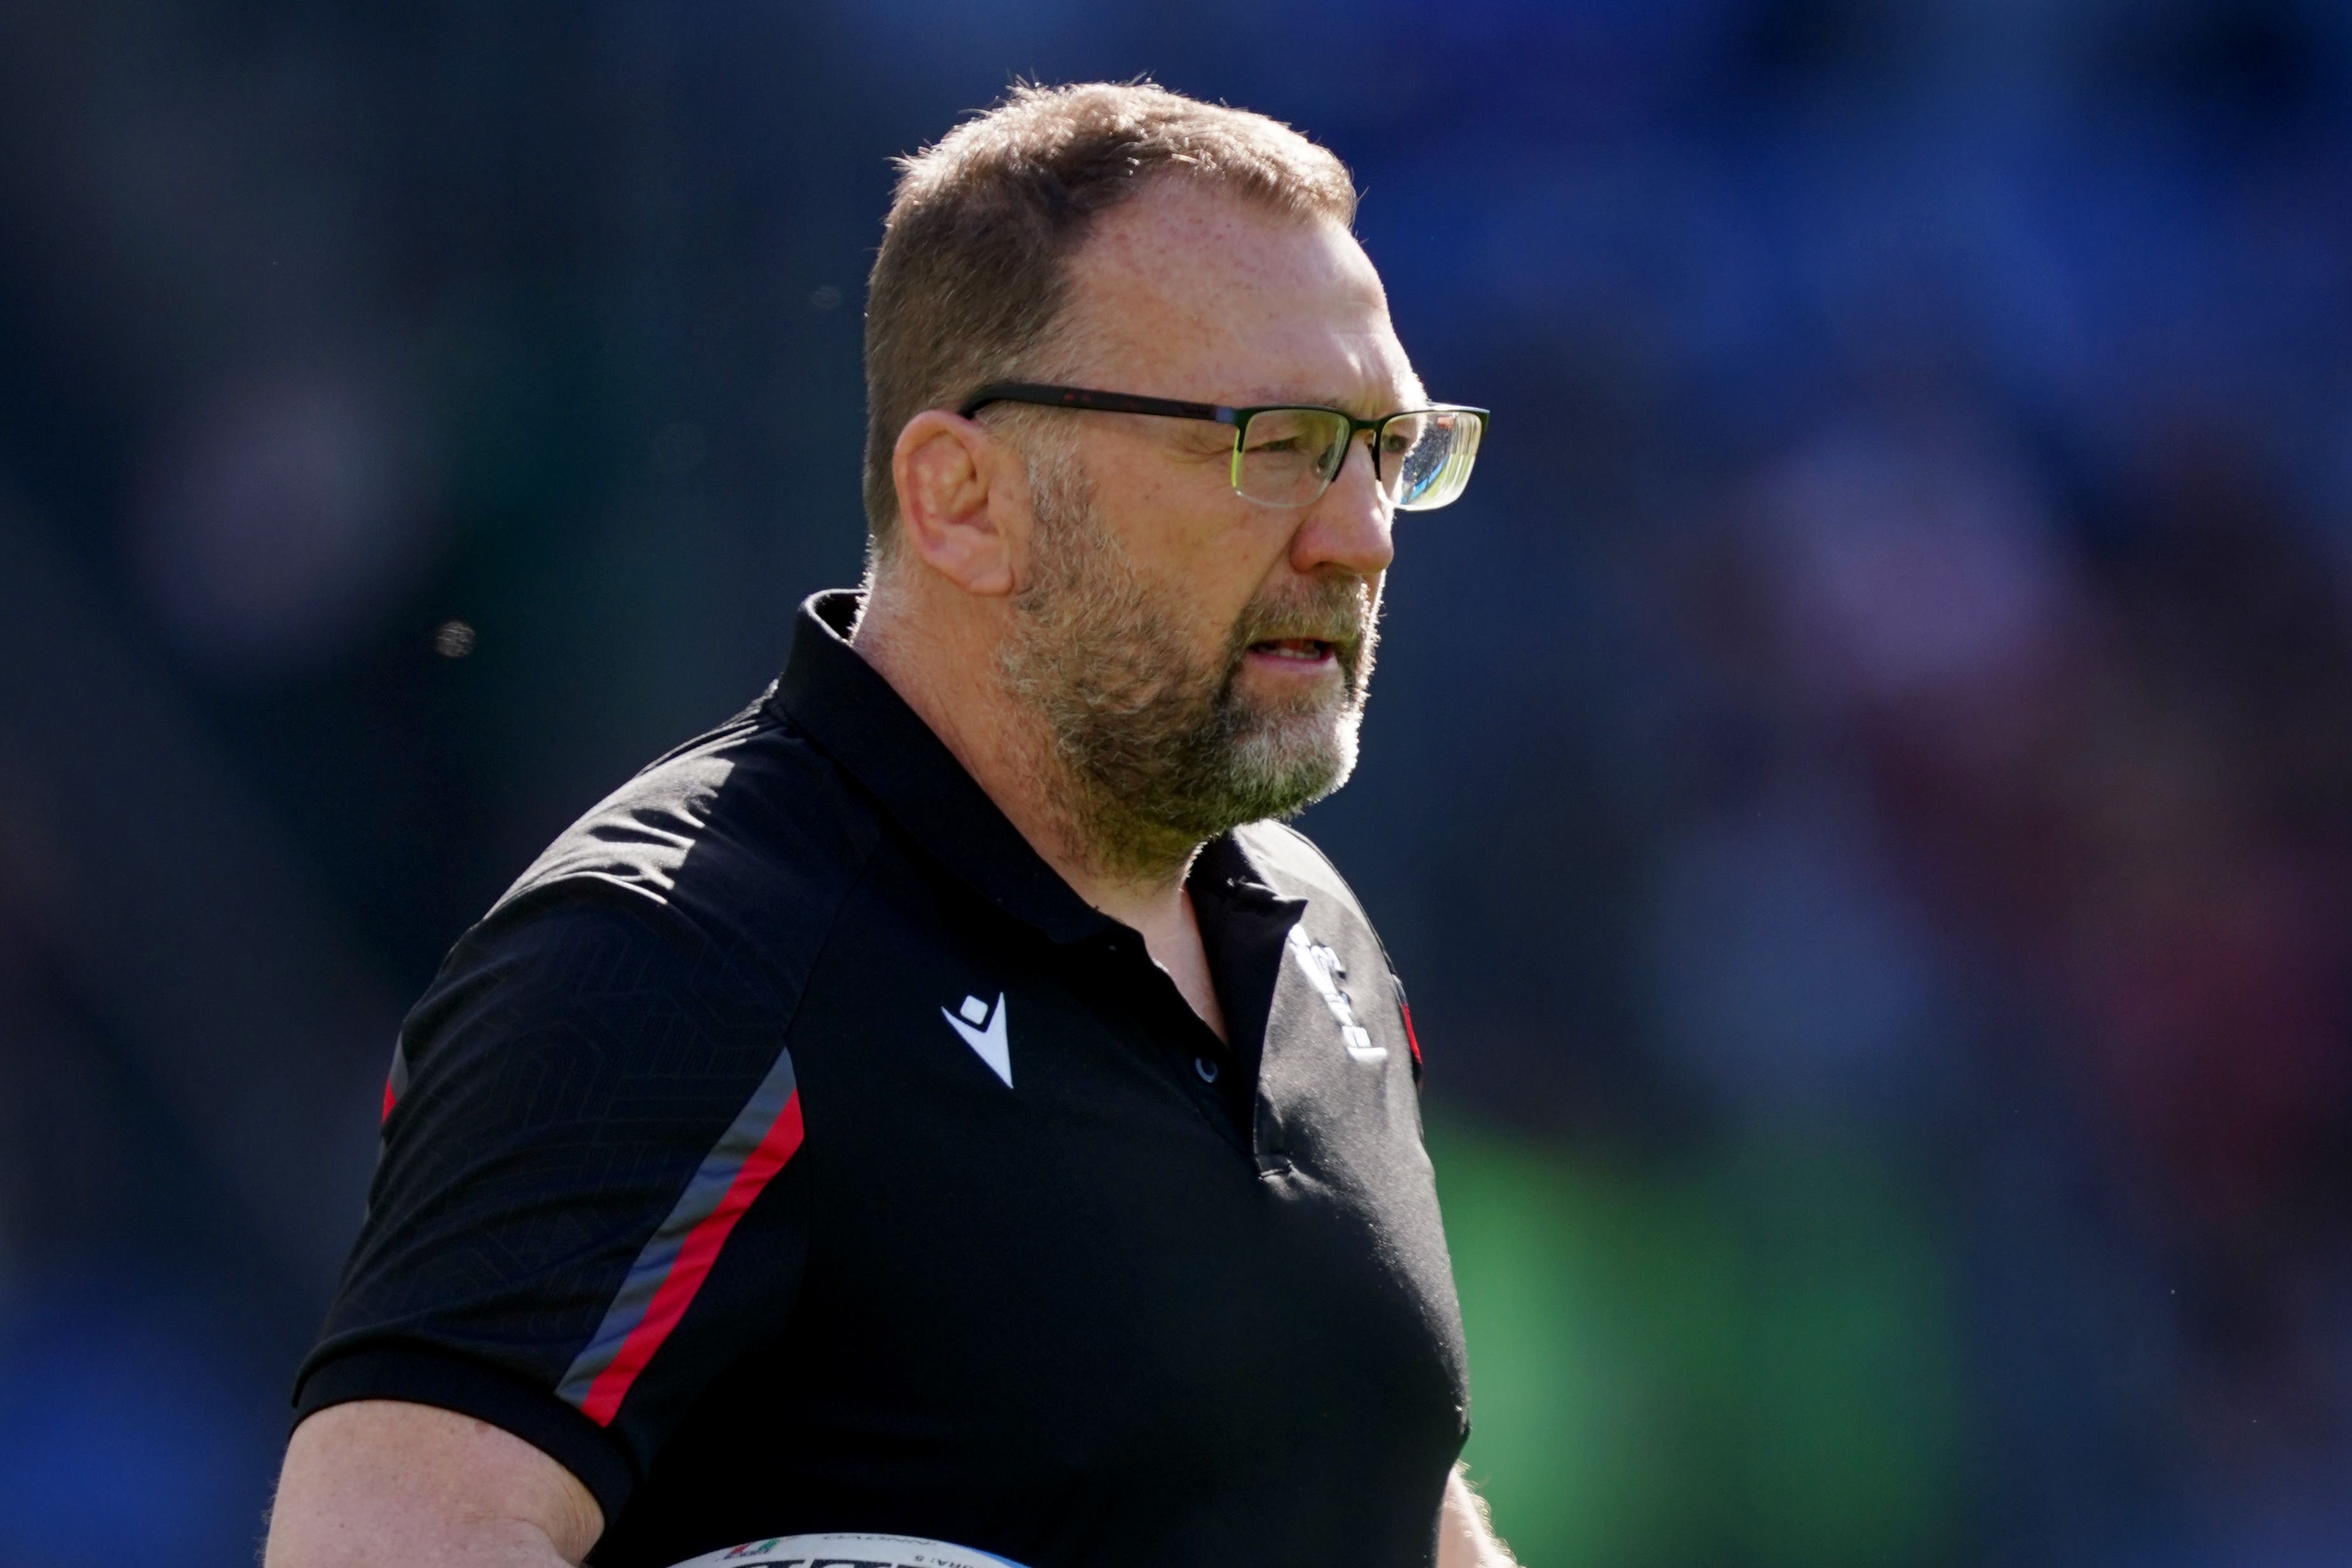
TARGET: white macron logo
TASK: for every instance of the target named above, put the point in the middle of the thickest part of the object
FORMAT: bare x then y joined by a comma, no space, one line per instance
983,1031
1324,971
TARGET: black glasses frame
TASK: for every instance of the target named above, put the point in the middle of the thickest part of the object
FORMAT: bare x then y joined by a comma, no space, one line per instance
1048,396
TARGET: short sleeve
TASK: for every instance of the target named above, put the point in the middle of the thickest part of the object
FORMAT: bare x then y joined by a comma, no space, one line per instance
586,1204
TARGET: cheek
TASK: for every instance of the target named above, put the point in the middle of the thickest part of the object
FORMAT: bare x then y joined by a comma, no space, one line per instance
1205,561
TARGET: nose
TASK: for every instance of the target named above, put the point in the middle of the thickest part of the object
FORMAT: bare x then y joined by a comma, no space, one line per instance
1348,528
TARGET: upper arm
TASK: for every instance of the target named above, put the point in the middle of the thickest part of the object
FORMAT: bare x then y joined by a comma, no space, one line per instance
377,1482
582,1213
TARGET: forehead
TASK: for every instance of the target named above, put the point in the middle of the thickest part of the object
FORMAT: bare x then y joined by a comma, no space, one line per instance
1196,294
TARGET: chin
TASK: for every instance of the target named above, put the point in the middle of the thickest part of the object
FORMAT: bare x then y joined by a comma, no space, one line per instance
1297,759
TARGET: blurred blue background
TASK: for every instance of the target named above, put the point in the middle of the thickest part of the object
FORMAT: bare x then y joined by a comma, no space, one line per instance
1860,789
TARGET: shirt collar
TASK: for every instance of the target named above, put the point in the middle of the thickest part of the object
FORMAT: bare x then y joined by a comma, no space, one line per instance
844,705
1245,925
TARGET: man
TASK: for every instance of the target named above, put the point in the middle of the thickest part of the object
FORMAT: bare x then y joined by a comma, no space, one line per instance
940,1102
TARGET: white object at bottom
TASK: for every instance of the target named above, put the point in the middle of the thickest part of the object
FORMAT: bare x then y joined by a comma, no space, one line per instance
847,1552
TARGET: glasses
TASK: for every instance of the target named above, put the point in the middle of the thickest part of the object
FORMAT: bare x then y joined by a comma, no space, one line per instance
1287,455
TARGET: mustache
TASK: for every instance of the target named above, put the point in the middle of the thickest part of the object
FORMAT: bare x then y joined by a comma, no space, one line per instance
1333,610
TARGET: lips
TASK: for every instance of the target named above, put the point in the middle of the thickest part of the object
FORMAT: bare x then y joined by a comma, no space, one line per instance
1308,650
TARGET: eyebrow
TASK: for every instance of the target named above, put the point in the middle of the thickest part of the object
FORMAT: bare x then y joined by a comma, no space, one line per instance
1412,395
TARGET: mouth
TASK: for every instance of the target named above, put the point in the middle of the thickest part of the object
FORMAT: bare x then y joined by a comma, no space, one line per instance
1296,652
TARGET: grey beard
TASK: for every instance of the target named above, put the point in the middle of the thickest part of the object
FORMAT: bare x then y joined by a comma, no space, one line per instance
1159,747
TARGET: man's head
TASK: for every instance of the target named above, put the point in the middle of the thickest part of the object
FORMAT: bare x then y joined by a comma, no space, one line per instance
973,270
1196,658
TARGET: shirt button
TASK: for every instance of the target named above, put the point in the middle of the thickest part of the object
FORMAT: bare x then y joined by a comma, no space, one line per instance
1206,1068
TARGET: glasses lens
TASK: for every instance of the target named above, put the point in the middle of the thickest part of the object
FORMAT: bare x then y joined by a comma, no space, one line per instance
1425,457
1286,456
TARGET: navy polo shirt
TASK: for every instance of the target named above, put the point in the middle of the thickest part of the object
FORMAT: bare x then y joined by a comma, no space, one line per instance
791,1150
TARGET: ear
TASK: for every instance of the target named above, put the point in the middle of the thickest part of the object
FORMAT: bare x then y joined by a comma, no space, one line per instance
945,467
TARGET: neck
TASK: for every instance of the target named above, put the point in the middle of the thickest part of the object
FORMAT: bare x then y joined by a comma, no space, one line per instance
947,672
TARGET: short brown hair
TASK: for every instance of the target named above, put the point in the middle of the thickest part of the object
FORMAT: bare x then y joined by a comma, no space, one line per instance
974,267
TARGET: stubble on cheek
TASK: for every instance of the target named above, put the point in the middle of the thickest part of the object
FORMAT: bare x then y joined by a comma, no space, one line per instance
1159,742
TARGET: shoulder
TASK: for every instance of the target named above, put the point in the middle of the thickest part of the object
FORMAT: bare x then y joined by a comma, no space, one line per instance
672,931
745,838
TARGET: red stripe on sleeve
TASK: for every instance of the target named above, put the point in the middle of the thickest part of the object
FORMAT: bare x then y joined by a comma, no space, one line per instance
695,1257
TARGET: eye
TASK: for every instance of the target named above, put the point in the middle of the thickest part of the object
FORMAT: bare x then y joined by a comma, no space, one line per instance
1402,436
1284,432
